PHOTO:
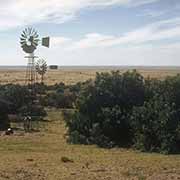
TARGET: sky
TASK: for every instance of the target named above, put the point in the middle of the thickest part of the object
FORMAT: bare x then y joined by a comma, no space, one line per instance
94,32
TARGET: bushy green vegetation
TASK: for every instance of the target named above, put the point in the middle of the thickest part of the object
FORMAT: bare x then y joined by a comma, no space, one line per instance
16,95
61,95
156,126
115,109
127,110
4,109
17,99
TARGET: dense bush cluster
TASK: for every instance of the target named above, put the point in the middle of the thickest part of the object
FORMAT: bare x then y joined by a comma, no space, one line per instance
61,95
127,110
4,109
16,95
12,98
17,99
116,109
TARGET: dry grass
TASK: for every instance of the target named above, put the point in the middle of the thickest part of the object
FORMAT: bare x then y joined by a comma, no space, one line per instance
72,76
40,156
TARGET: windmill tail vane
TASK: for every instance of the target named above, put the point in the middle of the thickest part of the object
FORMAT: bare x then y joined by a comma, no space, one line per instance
46,42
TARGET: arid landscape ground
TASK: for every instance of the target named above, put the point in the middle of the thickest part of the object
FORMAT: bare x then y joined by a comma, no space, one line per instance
74,75
45,155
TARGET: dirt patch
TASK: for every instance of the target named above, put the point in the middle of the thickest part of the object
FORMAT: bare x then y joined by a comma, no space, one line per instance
164,176
23,174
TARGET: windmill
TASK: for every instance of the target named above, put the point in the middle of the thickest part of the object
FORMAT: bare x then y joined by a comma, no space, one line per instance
29,41
41,68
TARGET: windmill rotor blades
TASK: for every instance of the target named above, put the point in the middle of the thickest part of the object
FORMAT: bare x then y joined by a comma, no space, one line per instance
29,40
33,31
36,40
36,36
26,31
22,43
23,35
22,39
30,29
34,44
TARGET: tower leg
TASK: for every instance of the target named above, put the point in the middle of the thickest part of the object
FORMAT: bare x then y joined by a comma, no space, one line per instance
30,83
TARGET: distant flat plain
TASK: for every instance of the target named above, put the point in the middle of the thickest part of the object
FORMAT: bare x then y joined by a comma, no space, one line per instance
74,74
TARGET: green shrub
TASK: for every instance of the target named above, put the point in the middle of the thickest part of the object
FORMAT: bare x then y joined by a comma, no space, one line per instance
4,110
21,101
17,95
172,89
155,126
104,107
33,110
63,99
124,109
61,96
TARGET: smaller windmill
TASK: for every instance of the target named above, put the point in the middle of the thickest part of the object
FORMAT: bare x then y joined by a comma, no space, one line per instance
41,68
29,41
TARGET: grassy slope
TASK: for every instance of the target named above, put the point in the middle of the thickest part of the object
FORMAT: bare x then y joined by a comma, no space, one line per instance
38,156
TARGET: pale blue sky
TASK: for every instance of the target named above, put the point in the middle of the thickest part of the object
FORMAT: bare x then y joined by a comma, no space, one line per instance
94,32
